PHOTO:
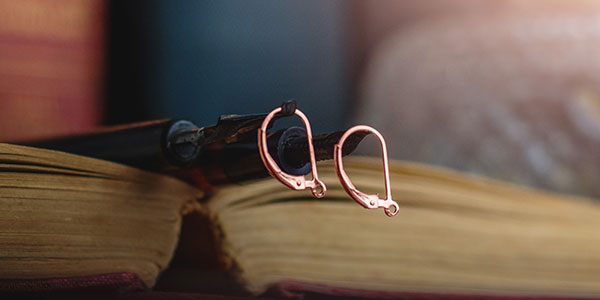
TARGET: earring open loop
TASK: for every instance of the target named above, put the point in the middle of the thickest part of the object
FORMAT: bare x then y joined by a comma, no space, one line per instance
291,181
366,200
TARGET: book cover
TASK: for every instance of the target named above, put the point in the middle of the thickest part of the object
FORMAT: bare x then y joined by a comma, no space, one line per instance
51,66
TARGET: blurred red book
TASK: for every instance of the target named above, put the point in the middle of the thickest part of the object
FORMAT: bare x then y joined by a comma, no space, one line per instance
51,66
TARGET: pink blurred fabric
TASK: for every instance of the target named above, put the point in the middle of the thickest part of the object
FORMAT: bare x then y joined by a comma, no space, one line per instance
510,91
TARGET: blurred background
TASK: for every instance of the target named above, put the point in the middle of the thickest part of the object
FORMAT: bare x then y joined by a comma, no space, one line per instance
507,89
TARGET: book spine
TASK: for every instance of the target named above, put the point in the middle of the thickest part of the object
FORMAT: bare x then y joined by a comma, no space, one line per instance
51,66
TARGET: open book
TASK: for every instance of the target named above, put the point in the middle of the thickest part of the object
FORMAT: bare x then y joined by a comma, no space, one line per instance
65,215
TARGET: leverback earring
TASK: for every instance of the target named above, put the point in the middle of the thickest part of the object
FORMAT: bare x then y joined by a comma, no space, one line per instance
366,200
291,181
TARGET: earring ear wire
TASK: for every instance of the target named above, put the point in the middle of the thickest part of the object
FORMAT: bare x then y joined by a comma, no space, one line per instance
291,181
366,200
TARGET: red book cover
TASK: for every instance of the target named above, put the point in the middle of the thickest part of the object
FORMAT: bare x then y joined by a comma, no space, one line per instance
51,66
127,285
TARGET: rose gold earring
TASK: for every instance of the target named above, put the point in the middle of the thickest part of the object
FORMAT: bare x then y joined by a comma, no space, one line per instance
291,181
366,200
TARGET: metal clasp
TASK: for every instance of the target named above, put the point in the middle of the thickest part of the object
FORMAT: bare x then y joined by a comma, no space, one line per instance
317,187
366,200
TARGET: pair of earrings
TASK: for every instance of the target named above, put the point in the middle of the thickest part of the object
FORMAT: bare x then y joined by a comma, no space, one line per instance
316,186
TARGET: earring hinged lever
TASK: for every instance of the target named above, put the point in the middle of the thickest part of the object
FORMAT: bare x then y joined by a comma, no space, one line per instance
291,181
369,201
